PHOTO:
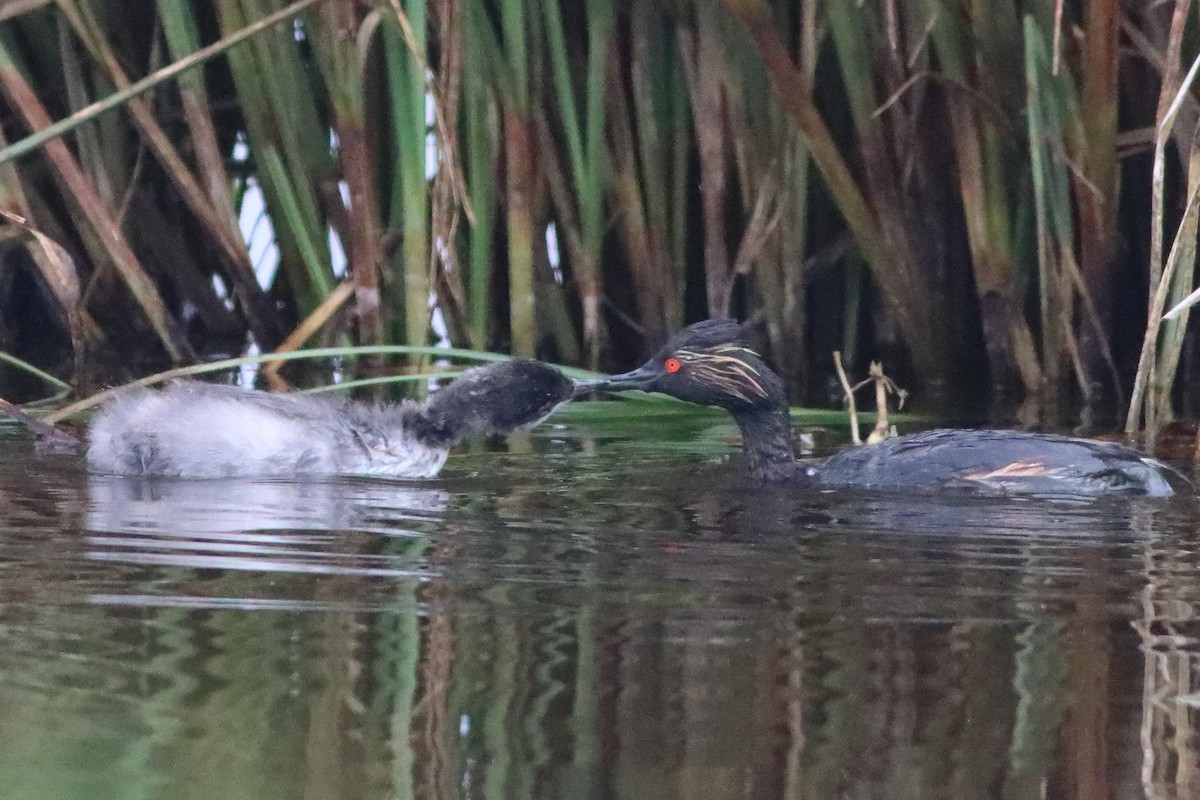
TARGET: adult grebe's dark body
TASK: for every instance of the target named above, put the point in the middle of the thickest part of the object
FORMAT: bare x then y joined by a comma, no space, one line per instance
199,430
710,364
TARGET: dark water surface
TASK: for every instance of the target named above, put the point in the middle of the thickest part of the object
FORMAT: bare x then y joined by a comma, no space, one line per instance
598,611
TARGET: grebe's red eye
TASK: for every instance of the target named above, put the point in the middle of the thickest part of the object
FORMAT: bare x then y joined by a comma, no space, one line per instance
672,365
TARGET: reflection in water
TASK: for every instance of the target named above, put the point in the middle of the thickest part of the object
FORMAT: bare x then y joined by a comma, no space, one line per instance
559,625
1170,644
275,526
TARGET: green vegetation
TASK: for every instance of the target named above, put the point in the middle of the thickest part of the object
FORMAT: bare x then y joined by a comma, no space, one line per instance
978,193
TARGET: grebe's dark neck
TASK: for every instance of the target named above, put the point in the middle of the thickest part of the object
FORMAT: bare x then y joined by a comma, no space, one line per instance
767,443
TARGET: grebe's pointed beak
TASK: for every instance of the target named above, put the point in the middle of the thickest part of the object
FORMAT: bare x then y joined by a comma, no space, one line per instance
640,378
586,387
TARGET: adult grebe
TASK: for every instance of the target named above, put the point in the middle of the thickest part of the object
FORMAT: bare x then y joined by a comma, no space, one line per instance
200,430
710,364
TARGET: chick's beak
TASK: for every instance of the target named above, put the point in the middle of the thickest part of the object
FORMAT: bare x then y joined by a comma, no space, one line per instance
640,378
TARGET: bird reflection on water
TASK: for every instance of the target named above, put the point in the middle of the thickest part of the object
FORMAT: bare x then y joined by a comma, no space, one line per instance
564,624
282,525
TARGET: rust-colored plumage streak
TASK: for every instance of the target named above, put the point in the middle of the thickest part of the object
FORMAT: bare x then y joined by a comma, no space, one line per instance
1017,469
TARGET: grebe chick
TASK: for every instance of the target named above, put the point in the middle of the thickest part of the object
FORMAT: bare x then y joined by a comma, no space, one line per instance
710,364
201,430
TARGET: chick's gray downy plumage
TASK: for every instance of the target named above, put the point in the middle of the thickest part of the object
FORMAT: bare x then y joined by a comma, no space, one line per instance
199,430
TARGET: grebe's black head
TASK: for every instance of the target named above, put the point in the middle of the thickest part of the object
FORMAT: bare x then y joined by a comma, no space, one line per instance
707,363
496,398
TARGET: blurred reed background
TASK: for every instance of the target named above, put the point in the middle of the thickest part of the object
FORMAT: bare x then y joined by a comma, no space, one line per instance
977,191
